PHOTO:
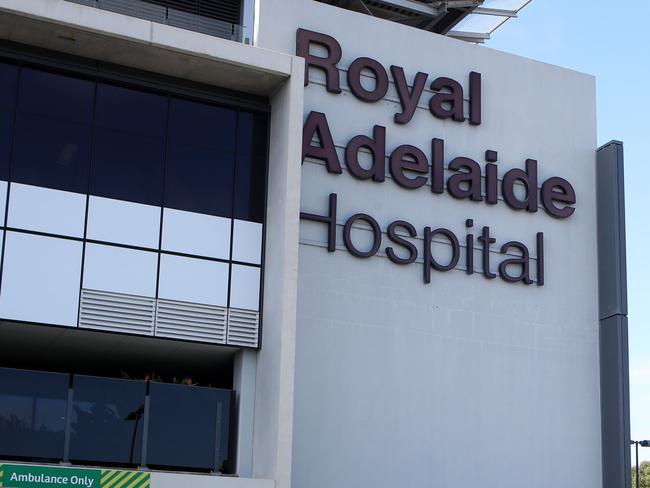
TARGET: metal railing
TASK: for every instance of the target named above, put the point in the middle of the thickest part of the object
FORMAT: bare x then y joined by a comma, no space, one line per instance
169,16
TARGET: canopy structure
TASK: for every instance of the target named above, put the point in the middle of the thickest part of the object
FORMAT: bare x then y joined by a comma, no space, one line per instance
468,20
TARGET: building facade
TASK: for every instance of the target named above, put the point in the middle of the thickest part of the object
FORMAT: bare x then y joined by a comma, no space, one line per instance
303,243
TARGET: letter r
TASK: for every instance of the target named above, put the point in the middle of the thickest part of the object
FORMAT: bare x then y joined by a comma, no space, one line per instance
304,39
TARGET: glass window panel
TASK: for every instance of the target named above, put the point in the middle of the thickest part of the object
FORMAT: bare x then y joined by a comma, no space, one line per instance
482,24
6,135
53,130
129,145
250,176
200,161
107,420
505,4
8,85
183,422
33,409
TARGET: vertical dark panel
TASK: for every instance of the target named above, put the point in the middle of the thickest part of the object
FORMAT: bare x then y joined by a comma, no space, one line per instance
128,145
53,131
250,173
612,289
8,86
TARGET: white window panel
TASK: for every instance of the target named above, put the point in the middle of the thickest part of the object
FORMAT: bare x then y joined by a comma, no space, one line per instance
46,210
194,233
40,279
123,222
245,287
3,200
120,270
247,242
193,280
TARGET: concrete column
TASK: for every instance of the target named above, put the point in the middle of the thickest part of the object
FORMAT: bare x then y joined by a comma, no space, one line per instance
273,436
244,386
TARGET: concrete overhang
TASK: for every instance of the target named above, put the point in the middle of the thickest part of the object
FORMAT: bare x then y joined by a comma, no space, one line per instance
140,44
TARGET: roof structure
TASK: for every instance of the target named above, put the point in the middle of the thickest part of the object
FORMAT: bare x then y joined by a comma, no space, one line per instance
468,20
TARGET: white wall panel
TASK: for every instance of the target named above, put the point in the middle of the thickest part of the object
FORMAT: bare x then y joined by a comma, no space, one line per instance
194,233
123,222
512,367
247,242
120,270
3,200
46,210
193,280
40,279
245,287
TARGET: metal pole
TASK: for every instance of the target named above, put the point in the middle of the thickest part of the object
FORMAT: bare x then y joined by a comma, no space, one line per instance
636,445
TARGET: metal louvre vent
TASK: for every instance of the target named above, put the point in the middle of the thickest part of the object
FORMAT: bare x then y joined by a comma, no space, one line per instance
116,312
190,321
130,314
226,10
243,328
219,18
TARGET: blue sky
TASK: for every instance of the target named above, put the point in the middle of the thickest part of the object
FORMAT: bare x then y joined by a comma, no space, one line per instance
608,41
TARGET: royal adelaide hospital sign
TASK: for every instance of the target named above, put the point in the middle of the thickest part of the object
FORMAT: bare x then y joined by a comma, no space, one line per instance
415,168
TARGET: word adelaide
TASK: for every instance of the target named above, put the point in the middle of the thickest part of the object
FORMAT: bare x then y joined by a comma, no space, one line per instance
412,168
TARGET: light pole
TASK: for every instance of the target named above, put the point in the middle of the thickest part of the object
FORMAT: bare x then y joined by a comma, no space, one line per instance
636,446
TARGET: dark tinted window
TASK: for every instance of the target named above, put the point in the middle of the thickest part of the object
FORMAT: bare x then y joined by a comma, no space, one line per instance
32,414
250,179
53,131
107,420
200,163
183,423
129,145
8,84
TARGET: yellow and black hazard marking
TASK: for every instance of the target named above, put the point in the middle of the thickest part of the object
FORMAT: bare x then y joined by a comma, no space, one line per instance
2,473
113,478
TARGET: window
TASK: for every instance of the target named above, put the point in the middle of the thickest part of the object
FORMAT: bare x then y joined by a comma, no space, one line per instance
250,179
53,131
128,145
200,163
84,136
8,85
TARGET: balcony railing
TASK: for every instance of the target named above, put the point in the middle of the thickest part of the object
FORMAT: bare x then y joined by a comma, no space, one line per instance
89,420
169,16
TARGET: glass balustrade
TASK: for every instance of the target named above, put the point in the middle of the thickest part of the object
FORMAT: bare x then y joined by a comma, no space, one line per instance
89,420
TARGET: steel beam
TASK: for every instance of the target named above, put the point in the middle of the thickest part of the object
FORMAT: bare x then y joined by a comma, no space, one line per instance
494,11
469,36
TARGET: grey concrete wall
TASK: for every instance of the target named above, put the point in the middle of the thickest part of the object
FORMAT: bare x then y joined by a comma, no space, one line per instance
399,383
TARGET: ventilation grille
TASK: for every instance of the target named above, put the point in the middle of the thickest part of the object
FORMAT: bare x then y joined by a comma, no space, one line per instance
243,328
189,321
219,18
116,312
226,10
